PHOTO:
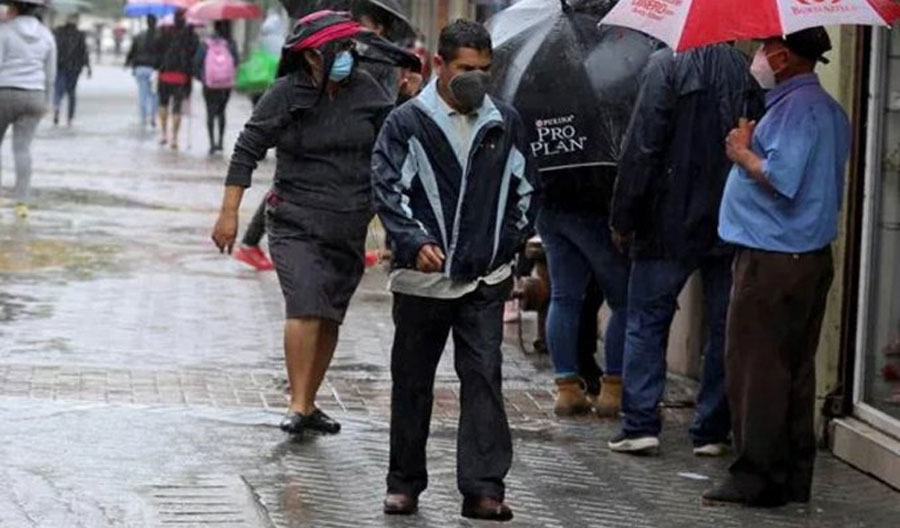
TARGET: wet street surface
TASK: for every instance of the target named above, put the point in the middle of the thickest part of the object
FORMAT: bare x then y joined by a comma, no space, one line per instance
141,378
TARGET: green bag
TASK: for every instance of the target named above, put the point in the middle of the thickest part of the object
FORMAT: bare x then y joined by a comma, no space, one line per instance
257,73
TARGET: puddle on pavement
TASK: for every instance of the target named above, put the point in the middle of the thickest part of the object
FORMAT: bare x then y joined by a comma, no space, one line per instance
24,254
88,197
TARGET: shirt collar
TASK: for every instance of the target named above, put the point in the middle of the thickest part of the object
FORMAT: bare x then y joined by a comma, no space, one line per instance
782,90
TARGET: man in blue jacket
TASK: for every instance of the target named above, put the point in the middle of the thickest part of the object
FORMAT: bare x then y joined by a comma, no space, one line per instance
666,206
454,190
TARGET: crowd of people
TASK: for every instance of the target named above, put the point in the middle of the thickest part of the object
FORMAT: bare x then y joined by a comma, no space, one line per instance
728,168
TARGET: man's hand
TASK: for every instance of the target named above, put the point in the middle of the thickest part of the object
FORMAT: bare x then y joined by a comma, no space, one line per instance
621,240
739,140
430,259
225,232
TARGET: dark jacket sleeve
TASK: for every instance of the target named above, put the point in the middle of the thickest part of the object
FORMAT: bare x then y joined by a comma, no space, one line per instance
261,133
393,172
522,204
646,141
132,51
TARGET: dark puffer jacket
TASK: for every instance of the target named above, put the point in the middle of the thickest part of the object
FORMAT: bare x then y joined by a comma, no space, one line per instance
178,48
673,167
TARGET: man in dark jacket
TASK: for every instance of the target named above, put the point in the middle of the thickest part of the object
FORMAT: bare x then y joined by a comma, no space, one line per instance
178,50
71,60
143,58
665,206
454,190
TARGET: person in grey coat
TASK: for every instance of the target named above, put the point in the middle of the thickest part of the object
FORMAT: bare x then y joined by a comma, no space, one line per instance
27,75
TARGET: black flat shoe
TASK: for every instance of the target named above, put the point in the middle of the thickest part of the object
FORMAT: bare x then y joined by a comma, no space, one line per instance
296,423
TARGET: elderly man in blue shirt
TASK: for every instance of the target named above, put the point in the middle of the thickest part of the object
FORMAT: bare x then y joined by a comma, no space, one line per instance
780,208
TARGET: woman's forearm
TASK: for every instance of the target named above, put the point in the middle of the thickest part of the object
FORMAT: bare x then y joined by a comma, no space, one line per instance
232,200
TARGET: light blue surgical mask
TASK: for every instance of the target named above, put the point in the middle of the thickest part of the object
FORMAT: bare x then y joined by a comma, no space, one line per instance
342,67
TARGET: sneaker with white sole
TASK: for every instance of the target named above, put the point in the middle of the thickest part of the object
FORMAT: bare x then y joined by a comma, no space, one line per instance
713,450
637,444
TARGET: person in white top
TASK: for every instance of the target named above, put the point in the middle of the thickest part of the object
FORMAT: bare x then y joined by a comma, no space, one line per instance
27,72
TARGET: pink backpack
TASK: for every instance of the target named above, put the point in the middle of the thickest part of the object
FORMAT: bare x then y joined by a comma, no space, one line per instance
219,70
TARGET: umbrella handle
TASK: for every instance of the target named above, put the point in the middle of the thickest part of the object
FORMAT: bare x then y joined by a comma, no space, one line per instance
565,6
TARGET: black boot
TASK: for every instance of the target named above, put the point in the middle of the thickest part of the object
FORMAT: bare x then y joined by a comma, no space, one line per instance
319,422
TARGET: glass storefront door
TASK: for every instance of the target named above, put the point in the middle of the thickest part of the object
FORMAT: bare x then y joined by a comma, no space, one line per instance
878,368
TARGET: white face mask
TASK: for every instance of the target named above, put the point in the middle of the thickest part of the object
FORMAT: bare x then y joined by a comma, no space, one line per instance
762,70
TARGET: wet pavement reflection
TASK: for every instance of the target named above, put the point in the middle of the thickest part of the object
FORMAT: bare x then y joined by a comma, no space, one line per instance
141,379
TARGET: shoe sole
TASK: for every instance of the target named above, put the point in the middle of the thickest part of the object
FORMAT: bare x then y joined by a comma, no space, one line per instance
640,446
710,454
577,411
401,513
474,517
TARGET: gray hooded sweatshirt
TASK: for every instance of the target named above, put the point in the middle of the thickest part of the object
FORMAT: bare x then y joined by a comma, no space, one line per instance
27,55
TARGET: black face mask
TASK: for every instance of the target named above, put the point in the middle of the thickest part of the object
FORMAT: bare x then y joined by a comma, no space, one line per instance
469,90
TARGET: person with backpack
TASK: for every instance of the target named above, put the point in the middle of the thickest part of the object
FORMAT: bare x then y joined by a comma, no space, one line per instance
217,60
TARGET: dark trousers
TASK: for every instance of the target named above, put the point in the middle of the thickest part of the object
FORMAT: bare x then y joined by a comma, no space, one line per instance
256,229
216,103
65,86
774,319
652,300
588,331
484,445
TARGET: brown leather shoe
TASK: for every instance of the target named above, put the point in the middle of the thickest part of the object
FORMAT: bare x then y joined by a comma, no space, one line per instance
486,509
400,504
570,397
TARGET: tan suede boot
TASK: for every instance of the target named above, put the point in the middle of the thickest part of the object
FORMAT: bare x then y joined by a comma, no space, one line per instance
570,397
609,403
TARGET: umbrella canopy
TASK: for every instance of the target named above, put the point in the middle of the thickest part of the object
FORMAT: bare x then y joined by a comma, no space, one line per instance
299,8
224,10
693,23
71,6
142,8
573,83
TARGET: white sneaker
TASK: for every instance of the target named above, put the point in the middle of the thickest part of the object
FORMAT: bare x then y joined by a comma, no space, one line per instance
639,445
712,450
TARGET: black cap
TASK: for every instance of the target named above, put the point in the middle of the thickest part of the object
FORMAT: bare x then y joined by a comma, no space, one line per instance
812,43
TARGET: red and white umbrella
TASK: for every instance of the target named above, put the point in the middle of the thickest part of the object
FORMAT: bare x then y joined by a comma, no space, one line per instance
685,24
224,10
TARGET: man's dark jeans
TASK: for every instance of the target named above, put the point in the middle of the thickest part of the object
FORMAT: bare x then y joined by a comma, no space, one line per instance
652,300
484,444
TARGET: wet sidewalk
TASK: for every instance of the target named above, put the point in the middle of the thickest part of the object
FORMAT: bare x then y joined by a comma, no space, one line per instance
141,380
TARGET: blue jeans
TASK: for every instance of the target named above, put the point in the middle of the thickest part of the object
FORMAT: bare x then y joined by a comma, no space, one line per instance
66,83
652,301
577,246
147,100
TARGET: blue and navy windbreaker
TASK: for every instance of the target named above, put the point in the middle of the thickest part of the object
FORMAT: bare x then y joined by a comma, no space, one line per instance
474,201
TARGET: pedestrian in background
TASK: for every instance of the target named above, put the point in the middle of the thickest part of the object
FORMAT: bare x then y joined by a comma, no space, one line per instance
73,57
453,189
322,117
27,75
178,51
119,32
573,226
216,65
781,209
665,207
144,59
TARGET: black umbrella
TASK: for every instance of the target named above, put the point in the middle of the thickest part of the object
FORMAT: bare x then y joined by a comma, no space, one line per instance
573,83
300,8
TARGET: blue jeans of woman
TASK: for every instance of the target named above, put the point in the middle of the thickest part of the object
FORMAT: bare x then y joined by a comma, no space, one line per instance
147,101
578,246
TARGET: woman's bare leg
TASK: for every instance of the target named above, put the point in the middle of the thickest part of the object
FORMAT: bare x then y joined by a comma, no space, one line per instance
308,349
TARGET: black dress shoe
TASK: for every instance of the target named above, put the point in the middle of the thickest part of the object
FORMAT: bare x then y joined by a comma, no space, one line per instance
725,493
319,422
486,509
400,504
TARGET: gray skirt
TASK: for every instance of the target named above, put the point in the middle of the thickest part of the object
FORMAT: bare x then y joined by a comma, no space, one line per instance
319,256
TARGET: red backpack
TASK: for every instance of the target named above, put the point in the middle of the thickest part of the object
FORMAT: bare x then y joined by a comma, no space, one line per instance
219,70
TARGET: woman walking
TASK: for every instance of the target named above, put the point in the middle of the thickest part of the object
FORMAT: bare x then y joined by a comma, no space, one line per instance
322,115
217,60
27,74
